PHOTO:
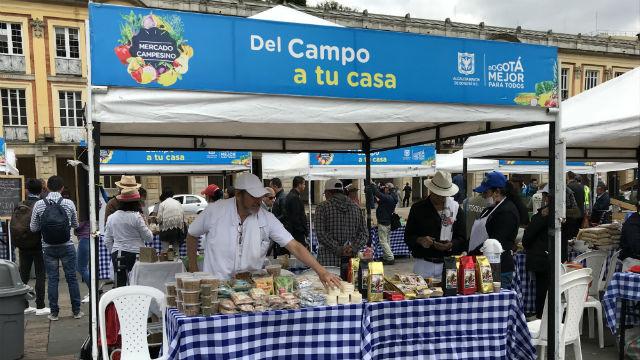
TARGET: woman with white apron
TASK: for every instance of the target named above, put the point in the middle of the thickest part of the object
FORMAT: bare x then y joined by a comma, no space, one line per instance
435,228
500,221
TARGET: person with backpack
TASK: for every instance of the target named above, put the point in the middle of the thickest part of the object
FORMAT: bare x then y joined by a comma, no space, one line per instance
30,246
54,217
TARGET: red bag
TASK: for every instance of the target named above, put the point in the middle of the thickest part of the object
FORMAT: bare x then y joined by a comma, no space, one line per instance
467,276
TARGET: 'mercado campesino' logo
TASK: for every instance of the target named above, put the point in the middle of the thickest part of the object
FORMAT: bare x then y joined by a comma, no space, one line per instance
153,48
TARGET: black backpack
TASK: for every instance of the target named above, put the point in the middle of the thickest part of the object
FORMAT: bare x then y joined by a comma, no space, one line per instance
54,223
21,234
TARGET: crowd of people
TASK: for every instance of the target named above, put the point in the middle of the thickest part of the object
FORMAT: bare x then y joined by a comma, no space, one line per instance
241,226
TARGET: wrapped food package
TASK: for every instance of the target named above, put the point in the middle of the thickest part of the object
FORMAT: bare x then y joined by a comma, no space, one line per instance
467,276
257,294
284,284
246,308
241,298
484,276
450,276
227,304
265,283
376,282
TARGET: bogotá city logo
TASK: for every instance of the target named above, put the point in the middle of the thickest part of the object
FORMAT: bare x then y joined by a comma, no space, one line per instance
466,63
153,48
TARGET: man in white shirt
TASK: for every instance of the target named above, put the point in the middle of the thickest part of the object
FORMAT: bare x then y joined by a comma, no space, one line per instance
238,232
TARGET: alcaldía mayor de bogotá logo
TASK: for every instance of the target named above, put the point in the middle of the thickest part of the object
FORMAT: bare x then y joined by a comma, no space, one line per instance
153,48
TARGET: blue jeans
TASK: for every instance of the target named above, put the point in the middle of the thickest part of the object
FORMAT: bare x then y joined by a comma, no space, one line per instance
506,280
83,260
67,255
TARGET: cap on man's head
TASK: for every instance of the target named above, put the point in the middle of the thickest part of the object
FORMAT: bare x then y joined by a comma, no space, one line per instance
389,185
251,184
333,184
210,190
494,179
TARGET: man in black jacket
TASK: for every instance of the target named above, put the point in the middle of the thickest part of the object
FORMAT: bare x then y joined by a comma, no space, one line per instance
387,200
573,224
630,238
436,227
278,204
294,216
536,245
602,203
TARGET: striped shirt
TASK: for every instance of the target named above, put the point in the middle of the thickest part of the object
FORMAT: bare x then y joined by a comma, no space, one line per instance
39,207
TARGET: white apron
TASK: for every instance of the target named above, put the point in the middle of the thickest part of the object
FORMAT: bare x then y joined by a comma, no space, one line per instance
479,230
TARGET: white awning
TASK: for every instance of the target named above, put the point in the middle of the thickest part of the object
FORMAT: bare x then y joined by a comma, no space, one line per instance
602,123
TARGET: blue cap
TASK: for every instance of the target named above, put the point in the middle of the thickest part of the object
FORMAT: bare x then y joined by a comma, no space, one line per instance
494,179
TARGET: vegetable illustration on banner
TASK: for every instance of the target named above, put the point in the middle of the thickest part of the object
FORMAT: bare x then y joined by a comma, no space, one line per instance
153,48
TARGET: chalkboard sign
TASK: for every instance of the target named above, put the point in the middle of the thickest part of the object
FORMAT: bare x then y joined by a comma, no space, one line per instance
11,194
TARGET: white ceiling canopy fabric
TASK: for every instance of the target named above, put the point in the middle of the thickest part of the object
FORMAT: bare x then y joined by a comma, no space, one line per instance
198,120
602,123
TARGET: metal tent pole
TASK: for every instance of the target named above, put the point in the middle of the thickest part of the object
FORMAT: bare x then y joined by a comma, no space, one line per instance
465,174
93,168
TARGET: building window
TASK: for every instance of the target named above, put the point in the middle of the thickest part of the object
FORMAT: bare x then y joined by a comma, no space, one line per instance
67,43
618,73
70,108
564,83
591,79
10,38
14,107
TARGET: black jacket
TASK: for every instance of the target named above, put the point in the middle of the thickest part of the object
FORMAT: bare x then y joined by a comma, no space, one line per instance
386,207
278,205
295,219
578,193
600,206
630,238
536,243
424,220
503,225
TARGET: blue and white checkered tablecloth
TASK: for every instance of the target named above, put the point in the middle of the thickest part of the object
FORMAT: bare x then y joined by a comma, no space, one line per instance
310,333
490,326
623,286
4,252
104,257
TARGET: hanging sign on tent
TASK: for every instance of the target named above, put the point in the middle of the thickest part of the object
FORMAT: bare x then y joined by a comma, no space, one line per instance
543,163
415,155
137,157
153,48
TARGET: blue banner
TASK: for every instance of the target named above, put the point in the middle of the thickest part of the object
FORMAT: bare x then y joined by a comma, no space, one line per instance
414,155
137,157
152,48
543,162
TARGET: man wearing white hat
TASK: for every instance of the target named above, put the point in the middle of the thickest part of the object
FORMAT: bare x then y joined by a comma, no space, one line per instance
435,227
238,234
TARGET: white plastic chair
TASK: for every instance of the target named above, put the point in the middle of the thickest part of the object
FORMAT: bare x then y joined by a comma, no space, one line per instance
595,260
132,304
573,286
613,264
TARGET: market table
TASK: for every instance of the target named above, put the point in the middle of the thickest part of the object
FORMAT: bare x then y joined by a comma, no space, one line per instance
310,333
481,326
624,287
105,268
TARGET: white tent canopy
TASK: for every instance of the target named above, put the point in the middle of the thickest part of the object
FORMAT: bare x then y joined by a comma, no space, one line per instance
453,163
602,123
290,165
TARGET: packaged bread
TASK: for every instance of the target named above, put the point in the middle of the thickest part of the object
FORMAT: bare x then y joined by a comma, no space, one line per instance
376,282
265,283
257,294
227,304
240,298
246,308
484,275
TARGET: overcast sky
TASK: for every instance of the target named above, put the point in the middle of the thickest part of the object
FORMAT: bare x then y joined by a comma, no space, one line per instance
569,16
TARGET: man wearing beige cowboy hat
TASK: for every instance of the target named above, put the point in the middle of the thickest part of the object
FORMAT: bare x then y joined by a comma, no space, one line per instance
435,227
126,182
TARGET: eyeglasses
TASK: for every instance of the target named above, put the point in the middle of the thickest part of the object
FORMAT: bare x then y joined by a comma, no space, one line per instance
271,197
